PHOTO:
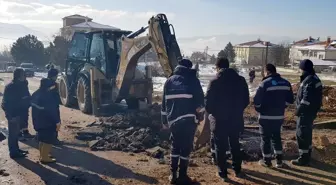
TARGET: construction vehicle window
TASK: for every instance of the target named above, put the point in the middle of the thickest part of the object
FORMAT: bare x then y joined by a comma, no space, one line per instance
78,49
97,52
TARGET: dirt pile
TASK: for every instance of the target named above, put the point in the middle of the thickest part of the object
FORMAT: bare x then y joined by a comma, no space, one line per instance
324,151
129,132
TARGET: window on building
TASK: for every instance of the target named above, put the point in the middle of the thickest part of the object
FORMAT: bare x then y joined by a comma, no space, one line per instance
315,53
305,53
97,52
320,57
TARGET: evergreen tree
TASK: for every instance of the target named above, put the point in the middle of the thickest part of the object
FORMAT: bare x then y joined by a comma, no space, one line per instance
28,49
221,54
231,55
213,59
228,53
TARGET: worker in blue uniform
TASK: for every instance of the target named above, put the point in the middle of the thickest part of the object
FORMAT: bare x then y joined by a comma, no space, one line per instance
46,118
182,108
273,96
308,103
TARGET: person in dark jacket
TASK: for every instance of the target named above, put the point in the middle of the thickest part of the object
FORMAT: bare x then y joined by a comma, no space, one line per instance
182,108
226,98
46,118
24,132
308,103
52,75
273,96
15,103
252,75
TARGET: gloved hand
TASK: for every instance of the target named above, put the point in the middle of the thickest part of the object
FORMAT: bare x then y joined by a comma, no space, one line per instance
58,127
200,116
165,127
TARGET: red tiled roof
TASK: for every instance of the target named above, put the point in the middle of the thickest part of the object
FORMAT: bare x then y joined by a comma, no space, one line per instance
304,41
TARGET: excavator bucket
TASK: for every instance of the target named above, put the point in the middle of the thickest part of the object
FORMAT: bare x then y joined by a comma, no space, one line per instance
204,132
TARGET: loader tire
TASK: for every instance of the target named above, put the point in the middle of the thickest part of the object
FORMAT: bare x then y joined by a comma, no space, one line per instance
84,95
66,99
132,103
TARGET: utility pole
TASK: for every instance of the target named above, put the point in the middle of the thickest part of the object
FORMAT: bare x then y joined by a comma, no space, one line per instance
206,53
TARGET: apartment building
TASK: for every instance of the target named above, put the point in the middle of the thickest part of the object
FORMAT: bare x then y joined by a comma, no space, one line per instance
253,52
313,49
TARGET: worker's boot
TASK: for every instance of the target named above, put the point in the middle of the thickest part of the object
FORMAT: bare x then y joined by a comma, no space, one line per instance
173,178
45,152
279,163
301,161
40,146
25,134
174,161
265,163
183,178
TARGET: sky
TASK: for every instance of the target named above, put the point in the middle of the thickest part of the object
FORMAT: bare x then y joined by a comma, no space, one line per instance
191,18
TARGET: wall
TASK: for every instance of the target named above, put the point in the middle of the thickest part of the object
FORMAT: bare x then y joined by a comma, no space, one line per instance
330,55
241,54
297,55
256,56
72,21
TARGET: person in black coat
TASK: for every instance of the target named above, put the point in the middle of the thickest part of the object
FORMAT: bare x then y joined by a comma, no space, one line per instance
182,108
308,103
273,96
46,118
226,98
252,75
15,103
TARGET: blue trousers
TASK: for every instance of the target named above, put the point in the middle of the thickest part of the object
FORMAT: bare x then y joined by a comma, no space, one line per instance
182,137
304,136
13,137
24,122
270,131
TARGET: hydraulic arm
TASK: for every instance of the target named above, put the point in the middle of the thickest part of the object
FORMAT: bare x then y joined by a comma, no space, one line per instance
163,41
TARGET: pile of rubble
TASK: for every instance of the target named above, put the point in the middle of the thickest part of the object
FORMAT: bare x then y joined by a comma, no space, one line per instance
128,132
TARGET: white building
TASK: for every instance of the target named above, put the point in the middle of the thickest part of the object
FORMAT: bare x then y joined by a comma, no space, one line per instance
76,22
312,49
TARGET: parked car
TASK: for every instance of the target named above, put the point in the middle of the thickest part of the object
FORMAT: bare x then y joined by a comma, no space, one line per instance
28,69
10,69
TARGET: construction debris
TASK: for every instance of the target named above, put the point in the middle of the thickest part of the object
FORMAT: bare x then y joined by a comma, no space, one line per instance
128,132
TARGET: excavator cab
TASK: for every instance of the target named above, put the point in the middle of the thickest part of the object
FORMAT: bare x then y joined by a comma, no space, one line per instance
101,65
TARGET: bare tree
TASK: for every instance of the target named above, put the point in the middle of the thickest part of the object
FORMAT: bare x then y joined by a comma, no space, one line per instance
279,54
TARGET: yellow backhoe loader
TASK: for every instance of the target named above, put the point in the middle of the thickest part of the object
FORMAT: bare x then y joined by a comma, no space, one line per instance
101,65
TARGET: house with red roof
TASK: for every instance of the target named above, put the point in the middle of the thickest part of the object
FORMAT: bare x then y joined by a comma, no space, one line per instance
313,49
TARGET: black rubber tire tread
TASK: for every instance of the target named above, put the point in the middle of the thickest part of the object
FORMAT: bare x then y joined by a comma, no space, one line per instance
68,101
86,107
133,103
